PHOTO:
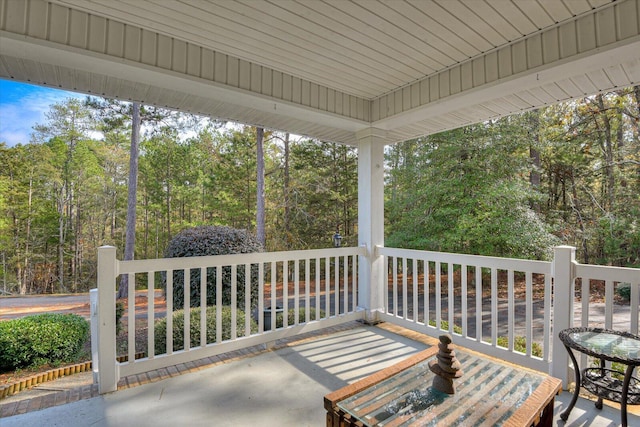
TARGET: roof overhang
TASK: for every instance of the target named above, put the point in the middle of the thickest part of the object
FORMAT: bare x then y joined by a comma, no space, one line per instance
184,56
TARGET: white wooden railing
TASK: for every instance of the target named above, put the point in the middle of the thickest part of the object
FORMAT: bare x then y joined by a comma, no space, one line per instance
477,302
478,299
320,279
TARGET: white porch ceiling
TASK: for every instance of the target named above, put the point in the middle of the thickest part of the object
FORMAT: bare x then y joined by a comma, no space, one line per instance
328,69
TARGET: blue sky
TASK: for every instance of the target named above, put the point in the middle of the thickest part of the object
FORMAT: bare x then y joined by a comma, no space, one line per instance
24,105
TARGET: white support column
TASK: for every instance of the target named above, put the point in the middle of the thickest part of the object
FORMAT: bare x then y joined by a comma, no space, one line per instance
563,297
371,144
107,273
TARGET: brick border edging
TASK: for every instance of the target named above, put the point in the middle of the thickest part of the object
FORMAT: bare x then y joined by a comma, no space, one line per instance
91,390
50,375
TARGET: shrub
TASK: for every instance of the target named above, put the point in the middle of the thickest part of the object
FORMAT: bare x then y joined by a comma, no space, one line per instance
444,325
213,240
520,345
42,339
119,314
624,291
160,328
291,316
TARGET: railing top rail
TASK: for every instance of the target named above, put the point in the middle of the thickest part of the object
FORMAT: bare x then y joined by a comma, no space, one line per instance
164,264
543,267
606,272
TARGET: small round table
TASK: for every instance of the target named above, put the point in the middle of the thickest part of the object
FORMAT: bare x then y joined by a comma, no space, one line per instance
606,345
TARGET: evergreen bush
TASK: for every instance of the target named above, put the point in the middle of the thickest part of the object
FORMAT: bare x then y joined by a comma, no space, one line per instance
42,339
160,328
624,291
213,240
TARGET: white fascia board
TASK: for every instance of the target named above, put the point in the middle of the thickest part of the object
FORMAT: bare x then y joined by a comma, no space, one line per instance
624,52
42,51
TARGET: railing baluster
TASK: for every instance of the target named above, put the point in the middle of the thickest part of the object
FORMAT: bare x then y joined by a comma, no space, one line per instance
494,306
131,318
336,279
395,286
203,307
426,296
438,273
285,294
296,292
385,284
546,355
414,303
274,301
307,291
187,309
451,297
218,304
608,304
510,309
463,296
529,312
247,299
354,283
234,301
151,313
261,297
345,283
585,295
169,299
404,288
327,287
317,289
479,328
634,299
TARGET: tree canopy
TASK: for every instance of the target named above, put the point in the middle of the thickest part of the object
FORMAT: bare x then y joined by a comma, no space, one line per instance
515,187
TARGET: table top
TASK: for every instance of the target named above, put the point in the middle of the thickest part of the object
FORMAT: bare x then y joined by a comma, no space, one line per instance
488,393
615,346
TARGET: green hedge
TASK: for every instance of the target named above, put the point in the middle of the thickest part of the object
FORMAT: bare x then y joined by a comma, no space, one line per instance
160,328
42,339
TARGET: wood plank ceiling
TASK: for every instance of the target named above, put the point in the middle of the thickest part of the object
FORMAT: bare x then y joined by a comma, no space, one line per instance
329,69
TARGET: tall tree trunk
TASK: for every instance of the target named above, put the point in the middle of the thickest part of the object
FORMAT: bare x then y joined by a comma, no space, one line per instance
260,214
146,225
77,247
577,209
61,225
168,197
607,142
287,208
130,239
4,272
534,154
636,125
26,268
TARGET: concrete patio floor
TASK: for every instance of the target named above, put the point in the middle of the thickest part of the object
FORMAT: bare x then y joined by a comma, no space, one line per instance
281,387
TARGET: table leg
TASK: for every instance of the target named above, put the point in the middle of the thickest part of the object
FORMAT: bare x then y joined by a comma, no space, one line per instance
625,392
546,420
602,373
574,399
